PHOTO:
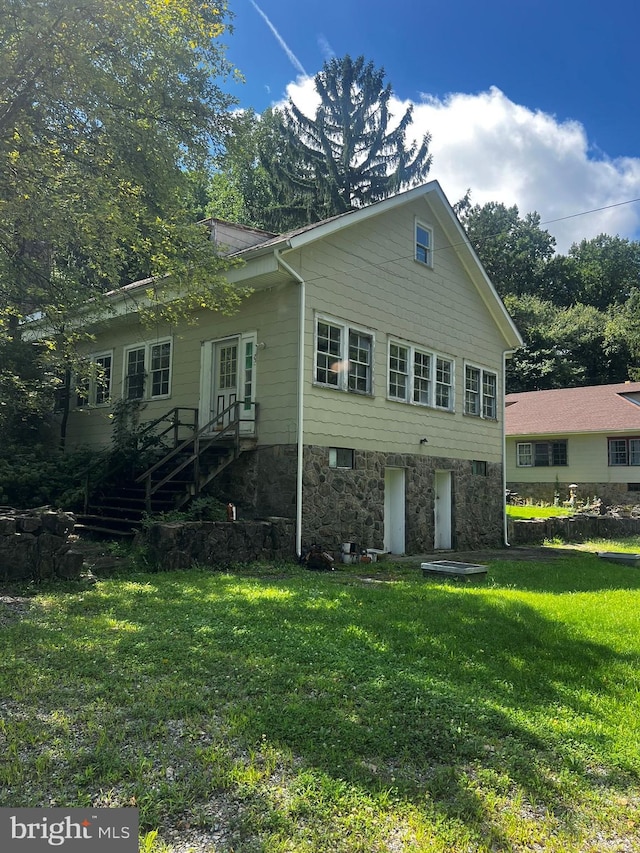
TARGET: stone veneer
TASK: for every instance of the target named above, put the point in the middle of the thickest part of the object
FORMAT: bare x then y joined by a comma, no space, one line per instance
347,505
34,545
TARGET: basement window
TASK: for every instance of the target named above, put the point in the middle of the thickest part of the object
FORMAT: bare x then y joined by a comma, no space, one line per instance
340,457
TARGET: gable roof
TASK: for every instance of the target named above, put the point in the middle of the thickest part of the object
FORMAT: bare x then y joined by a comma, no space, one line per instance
596,408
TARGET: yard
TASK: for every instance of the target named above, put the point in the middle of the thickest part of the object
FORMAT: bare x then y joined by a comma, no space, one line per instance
369,709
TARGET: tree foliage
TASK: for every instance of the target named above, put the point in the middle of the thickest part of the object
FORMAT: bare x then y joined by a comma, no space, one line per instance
578,313
351,153
103,106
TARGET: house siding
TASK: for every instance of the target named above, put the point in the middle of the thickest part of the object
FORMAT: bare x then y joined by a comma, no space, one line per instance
587,457
351,279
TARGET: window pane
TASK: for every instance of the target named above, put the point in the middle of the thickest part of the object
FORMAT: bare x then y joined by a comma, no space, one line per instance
135,374
489,395
634,451
160,368
422,378
524,455
472,391
617,451
359,362
423,245
541,454
559,453
103,379
398,371
443,383
328,354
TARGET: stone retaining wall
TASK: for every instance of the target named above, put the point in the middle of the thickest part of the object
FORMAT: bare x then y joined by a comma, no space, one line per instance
34,545
179,545
574,528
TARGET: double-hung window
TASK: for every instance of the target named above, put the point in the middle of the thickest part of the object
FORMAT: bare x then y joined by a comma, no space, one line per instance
423,244
480,392
418,376
541,454
147,371
344,357
624,451
95,388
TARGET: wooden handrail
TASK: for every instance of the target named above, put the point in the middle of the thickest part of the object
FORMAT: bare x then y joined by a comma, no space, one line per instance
233,427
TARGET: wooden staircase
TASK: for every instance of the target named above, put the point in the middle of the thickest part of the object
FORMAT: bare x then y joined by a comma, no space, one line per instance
182,458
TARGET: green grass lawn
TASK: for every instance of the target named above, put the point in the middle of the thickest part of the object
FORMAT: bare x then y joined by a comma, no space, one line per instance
369,709
517,512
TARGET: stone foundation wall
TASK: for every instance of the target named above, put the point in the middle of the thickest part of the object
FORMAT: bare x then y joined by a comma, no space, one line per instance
575,528
609,493
34,545
347,505
180,545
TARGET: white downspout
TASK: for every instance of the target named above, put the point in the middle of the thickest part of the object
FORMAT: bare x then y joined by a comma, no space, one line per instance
300,427
504,449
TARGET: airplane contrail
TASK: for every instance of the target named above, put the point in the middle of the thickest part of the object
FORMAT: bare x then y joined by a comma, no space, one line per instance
293,59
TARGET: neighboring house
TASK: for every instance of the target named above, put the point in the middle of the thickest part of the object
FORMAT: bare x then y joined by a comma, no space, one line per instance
587,436
372,349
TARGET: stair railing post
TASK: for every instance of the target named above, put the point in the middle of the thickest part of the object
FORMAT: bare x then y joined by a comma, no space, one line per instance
147,494
196,453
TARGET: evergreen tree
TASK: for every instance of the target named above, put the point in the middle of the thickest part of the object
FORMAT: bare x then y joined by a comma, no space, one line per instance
350,153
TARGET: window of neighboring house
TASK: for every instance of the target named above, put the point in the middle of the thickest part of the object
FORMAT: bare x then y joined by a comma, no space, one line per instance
541,454
411,373
624,451
424,244
147,371
95,388
480,392
340,457
344,357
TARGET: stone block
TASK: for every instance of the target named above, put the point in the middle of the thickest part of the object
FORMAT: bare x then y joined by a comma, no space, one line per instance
69,564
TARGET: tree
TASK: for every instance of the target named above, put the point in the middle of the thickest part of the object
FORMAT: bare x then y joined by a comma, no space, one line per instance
350,153
514,251
104,107
609,269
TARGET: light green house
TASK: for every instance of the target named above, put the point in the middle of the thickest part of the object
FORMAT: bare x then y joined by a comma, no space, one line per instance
586,437
366,371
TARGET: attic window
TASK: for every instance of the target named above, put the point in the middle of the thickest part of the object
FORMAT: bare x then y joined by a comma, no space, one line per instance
424,244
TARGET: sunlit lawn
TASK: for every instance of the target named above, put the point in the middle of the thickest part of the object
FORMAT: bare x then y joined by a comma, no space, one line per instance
520,512
376,710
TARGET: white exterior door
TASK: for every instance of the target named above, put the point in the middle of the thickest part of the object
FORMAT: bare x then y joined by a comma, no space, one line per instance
442,511
228,375
394,511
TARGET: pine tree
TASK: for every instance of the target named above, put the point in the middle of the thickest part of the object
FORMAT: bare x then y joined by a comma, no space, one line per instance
351,153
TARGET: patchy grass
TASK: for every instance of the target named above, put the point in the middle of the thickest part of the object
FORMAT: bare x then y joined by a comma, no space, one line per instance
521,512
369,709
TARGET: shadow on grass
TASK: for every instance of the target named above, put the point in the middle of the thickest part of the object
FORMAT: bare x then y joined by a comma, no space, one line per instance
415,687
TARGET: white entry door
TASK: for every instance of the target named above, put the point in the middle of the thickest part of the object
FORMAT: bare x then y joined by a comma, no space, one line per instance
225,379
442,511
394,511
228,375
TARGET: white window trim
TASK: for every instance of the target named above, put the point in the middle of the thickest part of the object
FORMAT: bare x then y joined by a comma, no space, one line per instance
481,396
419,223
343,375
519,463
433,356
92,387
147,346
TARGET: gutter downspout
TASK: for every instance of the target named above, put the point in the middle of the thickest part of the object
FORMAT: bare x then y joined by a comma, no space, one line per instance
504,449
300,428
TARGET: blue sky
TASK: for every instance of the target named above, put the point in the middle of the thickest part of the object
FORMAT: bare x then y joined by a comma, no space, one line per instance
529,102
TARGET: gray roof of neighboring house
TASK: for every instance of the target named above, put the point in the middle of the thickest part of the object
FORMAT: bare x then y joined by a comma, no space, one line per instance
596,408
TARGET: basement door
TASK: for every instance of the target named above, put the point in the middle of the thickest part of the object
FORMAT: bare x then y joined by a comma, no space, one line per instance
394,511
228,375
442,511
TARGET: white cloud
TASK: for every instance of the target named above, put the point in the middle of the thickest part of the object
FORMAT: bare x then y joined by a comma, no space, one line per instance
509,153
